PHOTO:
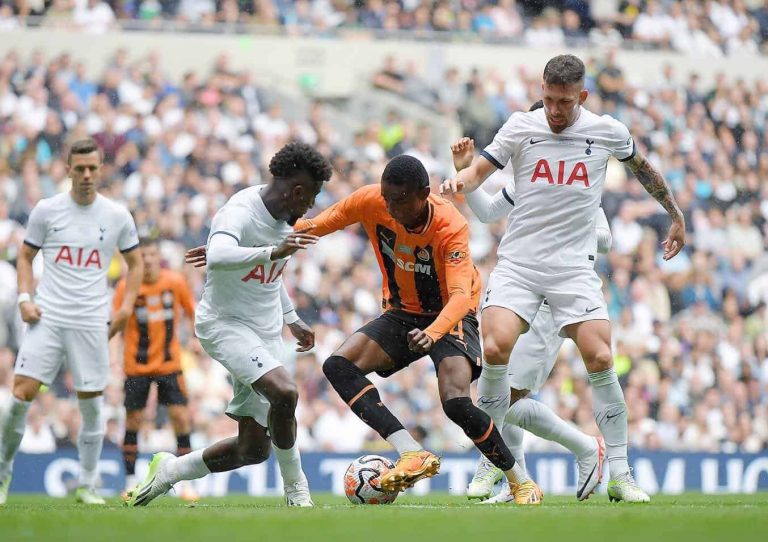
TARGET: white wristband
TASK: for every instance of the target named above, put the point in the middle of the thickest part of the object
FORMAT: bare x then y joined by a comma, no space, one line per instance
23,298
291,317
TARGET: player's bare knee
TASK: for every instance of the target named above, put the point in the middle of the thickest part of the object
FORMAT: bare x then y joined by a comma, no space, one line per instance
25,389
133,420
495,352
601,360
284,398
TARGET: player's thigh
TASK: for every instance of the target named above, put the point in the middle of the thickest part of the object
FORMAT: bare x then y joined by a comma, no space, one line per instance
381,345
41,353
136,391
458,359
593,339
87,354
171,389
575,296
501,328
534,354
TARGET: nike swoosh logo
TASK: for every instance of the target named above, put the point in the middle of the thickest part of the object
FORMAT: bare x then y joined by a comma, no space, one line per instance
534,141
609,417
592,309
58,229
581,490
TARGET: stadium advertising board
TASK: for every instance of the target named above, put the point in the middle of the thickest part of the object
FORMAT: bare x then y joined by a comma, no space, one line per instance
656,472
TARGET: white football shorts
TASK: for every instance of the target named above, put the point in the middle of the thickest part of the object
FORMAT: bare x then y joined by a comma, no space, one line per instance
85,352
247,357
574,295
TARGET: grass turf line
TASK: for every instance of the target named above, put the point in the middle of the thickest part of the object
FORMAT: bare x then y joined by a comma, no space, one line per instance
443,518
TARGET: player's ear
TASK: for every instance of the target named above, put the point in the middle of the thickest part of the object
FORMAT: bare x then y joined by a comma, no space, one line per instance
424,193
583,95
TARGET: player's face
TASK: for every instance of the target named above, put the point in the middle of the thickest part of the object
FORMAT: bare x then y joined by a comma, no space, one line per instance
85,172
302,199
151,256
405,205
561,104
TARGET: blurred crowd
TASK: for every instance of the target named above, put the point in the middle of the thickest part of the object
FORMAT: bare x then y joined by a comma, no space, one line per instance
710,28
690,335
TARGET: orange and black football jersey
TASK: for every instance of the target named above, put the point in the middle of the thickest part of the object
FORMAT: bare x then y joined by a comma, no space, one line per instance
429,272
151,336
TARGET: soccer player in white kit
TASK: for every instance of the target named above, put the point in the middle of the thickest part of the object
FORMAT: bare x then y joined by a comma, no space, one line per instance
531,362
78,232
559,155
239,323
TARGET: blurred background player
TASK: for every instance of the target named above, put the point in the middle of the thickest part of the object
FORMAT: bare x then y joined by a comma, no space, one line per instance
560,154
78,232
152,353
430,295
531,362
239,323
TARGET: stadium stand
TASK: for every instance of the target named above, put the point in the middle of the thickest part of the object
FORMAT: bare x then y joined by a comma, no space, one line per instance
691,342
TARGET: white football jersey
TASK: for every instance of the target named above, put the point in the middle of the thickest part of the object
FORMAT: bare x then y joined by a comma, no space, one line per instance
77,243
250,294
559,182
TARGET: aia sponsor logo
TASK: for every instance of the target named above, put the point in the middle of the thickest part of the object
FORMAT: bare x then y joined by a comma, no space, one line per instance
264,274
545,172
78,257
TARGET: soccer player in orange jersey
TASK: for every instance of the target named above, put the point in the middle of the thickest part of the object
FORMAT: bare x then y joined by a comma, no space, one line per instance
431,291
152,353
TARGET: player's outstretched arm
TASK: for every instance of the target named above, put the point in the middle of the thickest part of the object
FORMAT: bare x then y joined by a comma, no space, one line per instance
132,285
30,312
486,207
656,186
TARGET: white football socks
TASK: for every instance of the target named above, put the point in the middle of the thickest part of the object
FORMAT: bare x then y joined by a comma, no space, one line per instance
540,420
611,416
11,434
513,438
90,439
290,464
493,393
403,442
186,467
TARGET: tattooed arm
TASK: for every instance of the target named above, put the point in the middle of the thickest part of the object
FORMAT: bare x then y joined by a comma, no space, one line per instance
656,186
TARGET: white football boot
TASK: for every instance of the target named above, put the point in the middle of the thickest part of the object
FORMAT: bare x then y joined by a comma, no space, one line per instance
590,470
297,494
485,479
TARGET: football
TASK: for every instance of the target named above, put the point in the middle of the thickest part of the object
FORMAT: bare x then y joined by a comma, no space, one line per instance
362,481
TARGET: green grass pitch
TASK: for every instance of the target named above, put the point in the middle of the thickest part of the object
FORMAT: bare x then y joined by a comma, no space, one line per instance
442,518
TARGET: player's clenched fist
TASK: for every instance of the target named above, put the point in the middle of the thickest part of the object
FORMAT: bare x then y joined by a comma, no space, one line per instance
30,312
293,243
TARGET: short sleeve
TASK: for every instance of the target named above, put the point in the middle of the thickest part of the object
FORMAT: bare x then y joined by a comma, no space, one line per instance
36,227
503,145
623,144
230,220
129,237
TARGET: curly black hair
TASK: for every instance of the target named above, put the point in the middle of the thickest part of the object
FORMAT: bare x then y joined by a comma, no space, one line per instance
408,171
296,157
